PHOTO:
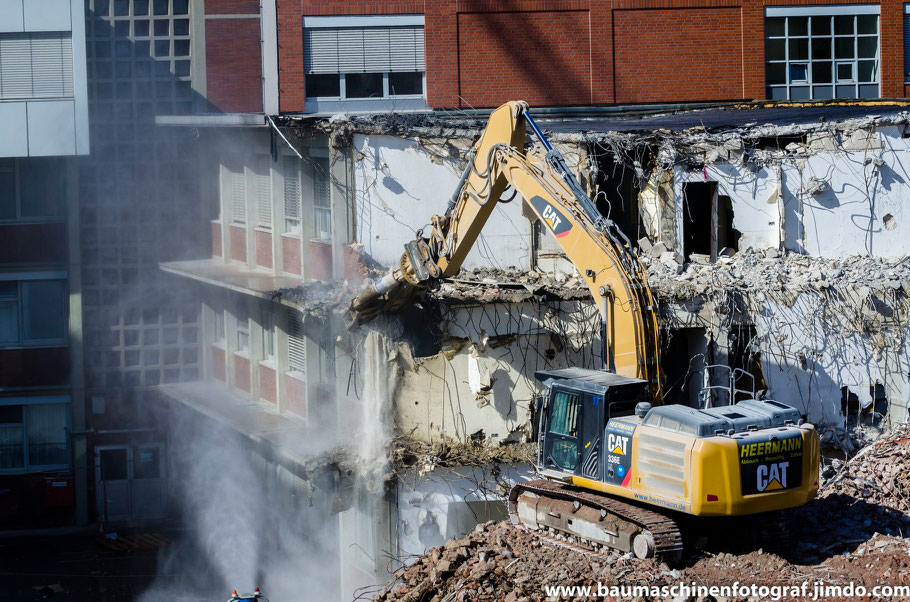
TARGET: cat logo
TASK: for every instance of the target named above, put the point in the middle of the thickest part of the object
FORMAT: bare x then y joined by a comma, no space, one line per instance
555,220
771,477
617,444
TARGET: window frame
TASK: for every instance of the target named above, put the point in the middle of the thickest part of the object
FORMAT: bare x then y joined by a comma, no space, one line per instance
386,93
26,402
366,22
18,279
16,170
816,89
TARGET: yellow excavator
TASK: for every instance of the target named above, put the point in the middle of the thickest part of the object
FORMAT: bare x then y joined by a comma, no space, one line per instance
619,468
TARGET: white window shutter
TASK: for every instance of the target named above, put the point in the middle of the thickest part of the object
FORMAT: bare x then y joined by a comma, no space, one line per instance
238,196
320,50
376,50
350,50
15,66
263,193
52,73
36,65
296,343
292,188
406,49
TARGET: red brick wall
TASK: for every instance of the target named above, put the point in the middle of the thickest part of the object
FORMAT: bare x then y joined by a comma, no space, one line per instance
242,373
319,260
17,243
233,64
297,398
290,254
268,384
216,240
218,365
238,243
540,57
290,38
231,7
669,55
563,52
34,367
263,248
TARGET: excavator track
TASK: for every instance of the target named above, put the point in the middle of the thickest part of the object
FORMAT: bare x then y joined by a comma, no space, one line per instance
563,515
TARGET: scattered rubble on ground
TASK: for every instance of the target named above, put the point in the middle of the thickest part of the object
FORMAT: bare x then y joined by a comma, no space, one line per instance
855,531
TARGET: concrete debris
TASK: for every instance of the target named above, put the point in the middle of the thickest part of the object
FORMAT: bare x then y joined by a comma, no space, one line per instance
509,286
768,272
426,457
845,535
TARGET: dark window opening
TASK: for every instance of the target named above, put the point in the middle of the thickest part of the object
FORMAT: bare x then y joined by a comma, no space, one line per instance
616,190
324,84
401,84
363,85
870,411
707,222
683,360
745,360
697,202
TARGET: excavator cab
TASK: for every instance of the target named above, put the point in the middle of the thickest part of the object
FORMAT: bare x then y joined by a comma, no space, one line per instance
579,404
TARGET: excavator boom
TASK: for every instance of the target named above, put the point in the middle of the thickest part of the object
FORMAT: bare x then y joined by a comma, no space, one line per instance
601,253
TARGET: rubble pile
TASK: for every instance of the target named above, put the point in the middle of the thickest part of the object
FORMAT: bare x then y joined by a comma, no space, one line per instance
853,532
771,273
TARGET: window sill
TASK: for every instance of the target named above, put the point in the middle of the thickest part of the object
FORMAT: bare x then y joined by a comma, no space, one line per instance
31,222
297,375
294,235
263,229
269,363
325,241
242,354
46,345
219,345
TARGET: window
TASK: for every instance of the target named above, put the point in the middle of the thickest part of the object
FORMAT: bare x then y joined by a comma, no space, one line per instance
296,343
259,183
243,336
33,312
36,65
565,414
361,58
822,52
219,327
907,42
32,189
33,435
564,431
268,336
233,192
322,199
292,195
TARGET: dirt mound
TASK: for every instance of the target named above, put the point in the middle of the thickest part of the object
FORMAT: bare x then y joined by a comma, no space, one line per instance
853,532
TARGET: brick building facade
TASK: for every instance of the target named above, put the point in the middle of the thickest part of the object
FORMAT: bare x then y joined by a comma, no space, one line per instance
593,52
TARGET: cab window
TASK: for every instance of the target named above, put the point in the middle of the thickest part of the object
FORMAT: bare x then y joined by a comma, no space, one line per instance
565,414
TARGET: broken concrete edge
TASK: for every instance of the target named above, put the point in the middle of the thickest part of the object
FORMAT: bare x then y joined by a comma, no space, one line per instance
441,129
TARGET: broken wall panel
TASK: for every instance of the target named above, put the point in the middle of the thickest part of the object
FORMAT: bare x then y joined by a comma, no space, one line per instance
399,186
501,345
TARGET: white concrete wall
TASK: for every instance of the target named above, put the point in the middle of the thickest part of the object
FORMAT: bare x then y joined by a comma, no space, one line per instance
866,181
809,353
448,502
502,345
398,188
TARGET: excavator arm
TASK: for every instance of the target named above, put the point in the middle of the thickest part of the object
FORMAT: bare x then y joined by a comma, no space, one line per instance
601,253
